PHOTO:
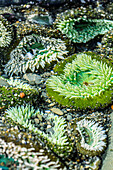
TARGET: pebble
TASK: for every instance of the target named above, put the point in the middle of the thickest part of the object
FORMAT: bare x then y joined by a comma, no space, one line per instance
48,126
57,111
32,78
52,104
69,117
47,111
36,120
44,95
3,82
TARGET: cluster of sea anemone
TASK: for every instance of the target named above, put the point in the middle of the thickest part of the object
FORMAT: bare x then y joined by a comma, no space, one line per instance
82,82
26,158
57,141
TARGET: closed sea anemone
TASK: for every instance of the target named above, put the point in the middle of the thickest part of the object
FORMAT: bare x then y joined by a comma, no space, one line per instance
82,82
33,52
92,137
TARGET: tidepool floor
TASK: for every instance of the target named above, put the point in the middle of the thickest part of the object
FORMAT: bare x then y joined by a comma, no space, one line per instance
108,162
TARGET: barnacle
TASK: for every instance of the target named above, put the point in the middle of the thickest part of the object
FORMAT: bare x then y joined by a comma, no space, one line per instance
34,51
83,82
79,26
92,136
57,141
6,33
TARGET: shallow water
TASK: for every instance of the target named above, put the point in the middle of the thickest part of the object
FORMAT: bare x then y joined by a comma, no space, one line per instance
41,127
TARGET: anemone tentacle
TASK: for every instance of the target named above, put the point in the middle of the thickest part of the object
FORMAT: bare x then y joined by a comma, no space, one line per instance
92,137
85,82
80,27
57,141
6,33
34,51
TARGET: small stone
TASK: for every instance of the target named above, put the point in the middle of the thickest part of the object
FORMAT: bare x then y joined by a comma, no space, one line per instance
49,101
44,95
69,117
48,126
57,111
3,82
52,104
3,119
68,110
47,111
36,120
32,78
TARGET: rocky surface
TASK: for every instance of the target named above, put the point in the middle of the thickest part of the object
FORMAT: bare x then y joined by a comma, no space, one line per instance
108,162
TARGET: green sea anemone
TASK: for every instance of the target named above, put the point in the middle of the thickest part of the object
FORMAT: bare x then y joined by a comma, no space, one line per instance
79,26
18,84
92,137
5,33
57,141
11,92
83,82
22,114
33,52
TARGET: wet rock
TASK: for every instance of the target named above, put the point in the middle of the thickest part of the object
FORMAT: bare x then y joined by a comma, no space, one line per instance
44,95
57,111
3,82
32,78
37,121
12,2
69,117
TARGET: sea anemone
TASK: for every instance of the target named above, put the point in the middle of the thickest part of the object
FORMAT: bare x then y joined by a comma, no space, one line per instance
57,141
80,26
27,158
34,51
83,82
21,114
10,93
18,84
5,33
92,137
